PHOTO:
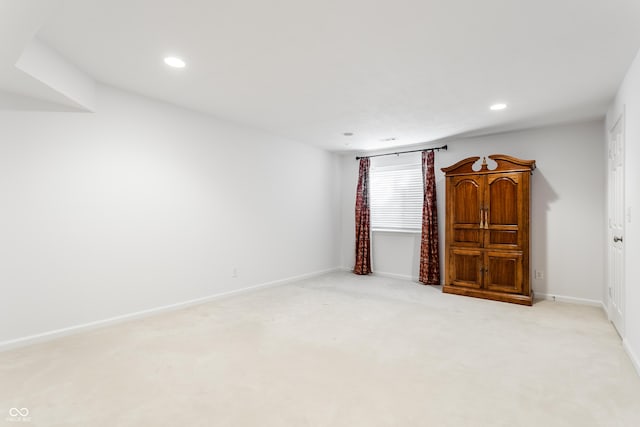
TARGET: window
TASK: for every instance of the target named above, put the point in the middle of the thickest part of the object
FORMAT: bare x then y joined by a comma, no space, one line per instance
396,194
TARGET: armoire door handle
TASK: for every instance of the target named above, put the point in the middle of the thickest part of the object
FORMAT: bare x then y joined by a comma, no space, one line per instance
617,239
486,219
481,218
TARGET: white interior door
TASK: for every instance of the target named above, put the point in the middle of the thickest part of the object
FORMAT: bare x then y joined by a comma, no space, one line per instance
616,290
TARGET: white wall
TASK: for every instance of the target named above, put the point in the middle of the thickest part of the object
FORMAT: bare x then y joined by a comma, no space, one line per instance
143,204
567,208
628,100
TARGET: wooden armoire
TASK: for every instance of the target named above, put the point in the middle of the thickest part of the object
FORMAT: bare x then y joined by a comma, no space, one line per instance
487,229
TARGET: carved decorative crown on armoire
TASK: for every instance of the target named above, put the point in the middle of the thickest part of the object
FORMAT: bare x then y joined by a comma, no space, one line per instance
487,229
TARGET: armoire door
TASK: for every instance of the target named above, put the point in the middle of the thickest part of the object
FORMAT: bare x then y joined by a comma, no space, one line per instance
464,208
465,267
503,271
504,211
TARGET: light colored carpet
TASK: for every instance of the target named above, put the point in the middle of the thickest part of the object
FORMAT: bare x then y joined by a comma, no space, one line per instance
338,350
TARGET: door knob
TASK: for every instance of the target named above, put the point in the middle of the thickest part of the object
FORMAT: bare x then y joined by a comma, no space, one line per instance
617,239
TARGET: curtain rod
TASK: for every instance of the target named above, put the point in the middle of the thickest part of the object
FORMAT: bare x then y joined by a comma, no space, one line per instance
444,147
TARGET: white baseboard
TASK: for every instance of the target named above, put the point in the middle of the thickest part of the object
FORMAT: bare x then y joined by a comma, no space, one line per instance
381,274
72,330
634,358
388,275
572,300
394,276
605,308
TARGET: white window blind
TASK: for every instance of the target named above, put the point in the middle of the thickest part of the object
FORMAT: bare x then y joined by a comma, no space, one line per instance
396,195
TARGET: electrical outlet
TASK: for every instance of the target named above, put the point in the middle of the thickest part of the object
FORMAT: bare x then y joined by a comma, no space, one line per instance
235,273
539,275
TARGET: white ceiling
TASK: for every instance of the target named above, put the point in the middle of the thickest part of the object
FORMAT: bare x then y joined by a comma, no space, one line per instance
416,70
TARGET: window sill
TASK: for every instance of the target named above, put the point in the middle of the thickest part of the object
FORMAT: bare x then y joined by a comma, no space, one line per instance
395,230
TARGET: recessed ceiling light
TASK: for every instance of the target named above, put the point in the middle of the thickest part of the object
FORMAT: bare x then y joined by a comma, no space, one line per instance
348,134
174,62
498,107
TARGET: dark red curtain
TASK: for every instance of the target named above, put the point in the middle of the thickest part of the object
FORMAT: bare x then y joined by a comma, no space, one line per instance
363,250
429,256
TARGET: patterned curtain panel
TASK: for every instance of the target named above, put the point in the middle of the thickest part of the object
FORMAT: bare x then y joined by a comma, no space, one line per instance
429,256
363,251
